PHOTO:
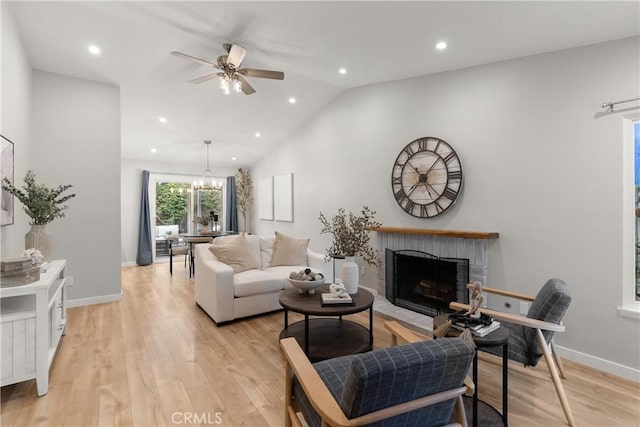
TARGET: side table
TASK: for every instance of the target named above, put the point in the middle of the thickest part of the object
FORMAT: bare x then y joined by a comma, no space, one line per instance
497,338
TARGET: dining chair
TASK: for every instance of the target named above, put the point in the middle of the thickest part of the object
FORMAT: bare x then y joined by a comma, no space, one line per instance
176,249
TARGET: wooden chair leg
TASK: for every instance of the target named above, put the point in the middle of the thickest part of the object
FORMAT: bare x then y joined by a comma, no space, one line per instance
555,377
461,415
557,359
288,382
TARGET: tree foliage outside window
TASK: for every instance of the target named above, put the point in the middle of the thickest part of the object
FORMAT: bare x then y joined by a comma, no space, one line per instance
172,204
209,201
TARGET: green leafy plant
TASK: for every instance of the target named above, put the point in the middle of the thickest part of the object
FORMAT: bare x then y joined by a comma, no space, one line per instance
41,203
351,234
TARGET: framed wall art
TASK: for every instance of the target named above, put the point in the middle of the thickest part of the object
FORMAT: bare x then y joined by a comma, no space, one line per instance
283,197
265,198
6,170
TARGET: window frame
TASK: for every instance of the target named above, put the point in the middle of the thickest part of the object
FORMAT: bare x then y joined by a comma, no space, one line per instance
630,306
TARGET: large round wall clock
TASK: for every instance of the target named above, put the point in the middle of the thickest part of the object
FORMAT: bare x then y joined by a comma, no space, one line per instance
427,177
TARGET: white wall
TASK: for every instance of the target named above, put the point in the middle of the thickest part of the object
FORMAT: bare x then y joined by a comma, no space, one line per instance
131,180
76,134
541,168
15,117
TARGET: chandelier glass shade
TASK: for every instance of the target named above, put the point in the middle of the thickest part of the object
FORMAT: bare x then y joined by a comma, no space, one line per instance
207,181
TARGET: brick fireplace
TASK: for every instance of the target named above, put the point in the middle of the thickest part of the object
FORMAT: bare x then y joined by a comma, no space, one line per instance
465,245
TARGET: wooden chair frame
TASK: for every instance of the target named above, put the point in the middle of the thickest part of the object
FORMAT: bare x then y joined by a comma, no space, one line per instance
328,408
181,251
554,363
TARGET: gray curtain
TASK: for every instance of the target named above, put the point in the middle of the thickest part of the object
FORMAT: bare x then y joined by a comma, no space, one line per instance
145,252
232,209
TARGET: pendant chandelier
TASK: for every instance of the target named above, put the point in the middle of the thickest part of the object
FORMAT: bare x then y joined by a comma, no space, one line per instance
207,182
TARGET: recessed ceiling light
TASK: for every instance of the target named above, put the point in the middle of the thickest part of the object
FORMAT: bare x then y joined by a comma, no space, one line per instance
153,150
342,71
234,158
441,45
94,49
258,135
162,119
292,100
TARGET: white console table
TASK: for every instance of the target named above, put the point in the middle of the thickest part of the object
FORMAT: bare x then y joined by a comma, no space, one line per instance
33,317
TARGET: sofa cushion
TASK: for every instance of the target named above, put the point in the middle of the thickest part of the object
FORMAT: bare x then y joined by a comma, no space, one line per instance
284,271
235,251
266,251
255,282
289,250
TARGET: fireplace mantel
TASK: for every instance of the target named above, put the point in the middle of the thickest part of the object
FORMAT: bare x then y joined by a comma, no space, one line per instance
445,233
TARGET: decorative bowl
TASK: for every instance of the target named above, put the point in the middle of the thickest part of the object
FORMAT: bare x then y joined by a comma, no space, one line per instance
307,285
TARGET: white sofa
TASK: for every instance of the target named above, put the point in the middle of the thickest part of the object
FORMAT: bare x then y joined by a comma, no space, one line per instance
226,296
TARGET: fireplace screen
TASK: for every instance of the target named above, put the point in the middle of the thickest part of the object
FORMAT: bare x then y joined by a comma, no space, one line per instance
425,283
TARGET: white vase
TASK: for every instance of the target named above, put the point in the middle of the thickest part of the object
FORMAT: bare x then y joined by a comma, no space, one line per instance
39,238
350,275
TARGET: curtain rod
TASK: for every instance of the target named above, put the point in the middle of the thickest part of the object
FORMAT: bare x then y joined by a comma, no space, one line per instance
610,105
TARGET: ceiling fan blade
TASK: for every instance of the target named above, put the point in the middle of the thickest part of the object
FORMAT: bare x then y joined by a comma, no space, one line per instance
246,87
265,74
236,55
192,58
205,78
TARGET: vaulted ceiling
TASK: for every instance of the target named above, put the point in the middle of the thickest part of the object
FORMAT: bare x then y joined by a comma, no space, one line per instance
309,41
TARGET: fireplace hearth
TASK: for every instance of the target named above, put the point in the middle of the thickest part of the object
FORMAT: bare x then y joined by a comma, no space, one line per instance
423,282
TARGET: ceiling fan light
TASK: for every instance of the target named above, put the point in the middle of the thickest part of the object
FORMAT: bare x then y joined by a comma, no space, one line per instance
225,86
237,86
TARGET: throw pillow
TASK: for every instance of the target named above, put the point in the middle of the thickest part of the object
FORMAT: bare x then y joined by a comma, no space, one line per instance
289,250
235,252
266,251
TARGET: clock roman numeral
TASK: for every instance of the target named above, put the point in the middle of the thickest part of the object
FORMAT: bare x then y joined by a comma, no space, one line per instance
396,180
422,144
408,150
449,157
450,193
437,145
454,175
399,195
423,211
439,208
409,206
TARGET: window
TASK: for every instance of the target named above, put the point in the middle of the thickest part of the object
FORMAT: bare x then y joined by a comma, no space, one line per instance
178,204
636,146
630,306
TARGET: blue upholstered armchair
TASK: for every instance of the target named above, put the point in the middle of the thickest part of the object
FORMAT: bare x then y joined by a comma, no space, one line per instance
417,384
531,337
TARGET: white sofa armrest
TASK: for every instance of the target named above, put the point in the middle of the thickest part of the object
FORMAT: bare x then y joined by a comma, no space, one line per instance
317,263
214,290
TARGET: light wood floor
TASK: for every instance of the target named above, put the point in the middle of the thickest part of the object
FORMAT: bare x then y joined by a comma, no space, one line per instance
155,356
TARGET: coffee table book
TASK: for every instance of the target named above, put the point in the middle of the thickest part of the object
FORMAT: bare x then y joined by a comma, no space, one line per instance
329,299
478,330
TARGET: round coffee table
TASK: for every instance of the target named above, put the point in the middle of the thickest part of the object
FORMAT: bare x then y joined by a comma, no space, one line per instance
330,335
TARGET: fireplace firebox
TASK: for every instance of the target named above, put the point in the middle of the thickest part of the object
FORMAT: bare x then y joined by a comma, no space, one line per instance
425,283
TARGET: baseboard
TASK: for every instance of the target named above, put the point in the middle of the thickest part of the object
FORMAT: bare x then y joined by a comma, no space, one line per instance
600,364
128,264
79,302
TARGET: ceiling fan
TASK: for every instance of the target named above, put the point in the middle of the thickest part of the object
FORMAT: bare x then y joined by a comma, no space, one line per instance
232,77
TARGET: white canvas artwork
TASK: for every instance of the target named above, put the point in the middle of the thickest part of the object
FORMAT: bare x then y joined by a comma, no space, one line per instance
265,198
283,197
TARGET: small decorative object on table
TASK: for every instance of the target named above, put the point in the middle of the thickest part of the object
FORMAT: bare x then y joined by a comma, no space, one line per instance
306,280
337,295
